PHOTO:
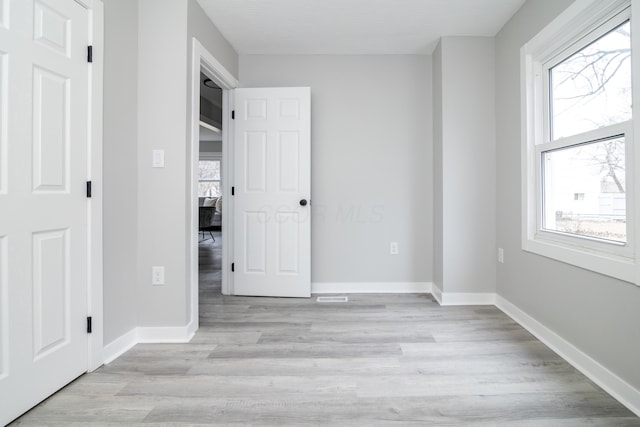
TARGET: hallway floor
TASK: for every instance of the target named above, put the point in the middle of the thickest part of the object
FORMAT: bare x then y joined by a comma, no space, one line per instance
374,360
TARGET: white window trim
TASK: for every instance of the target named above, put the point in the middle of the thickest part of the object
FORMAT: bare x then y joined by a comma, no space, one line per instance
211,155
577,22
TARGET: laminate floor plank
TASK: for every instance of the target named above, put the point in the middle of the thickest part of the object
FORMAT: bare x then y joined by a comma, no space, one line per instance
551,410
311,350
302,366
376,360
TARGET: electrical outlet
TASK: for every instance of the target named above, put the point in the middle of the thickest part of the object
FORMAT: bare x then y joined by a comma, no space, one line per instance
157,275
501,255
393,248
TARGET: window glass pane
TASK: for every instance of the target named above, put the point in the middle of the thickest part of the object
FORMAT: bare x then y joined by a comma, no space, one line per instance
584,190
209,189
210,169
592,88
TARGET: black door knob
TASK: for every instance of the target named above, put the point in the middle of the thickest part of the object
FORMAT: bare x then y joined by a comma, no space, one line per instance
303,202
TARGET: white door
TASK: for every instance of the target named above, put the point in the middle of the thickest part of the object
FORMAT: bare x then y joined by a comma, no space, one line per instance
44,78
272,184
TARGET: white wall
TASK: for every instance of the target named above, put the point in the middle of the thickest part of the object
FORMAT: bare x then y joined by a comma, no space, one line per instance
597,314
465,141
120,167
371,145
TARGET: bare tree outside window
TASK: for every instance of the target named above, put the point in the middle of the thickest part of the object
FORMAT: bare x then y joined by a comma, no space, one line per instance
592,88
589,90
209,178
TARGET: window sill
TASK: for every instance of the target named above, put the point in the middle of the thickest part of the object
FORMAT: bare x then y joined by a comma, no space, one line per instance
609,265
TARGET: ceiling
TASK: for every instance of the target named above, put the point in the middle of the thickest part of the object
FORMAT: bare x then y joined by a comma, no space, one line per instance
353,26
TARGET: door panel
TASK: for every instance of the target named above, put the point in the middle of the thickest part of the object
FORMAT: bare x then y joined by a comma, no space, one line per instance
51,28
50,277
256,162
50,131
4,97
272,175
4,14
287,242
4,309
44,104
256,248
289,162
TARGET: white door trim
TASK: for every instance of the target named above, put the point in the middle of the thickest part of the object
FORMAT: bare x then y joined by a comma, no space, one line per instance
94,174
201,59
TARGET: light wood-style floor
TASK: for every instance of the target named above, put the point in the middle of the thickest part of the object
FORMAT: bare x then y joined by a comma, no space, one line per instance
375,360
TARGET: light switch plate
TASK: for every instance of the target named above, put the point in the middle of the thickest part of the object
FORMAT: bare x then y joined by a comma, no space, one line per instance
158,159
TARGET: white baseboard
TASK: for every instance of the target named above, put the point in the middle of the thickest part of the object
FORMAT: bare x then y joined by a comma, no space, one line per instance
371,287
466,298
119,346
165,334
157,335
192,327
437,293
610,382
462,298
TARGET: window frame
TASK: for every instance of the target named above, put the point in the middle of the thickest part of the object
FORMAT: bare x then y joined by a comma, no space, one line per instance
212,156
580,25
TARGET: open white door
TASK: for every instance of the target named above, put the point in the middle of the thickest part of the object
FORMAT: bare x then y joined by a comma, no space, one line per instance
44,77
272,211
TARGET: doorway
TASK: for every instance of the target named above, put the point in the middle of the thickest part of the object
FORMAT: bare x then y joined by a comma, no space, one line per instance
212,128
210,195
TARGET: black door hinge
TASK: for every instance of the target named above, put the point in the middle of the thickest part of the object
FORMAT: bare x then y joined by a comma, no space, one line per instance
233,115
233,266
89,327
233,191
89,53
88,189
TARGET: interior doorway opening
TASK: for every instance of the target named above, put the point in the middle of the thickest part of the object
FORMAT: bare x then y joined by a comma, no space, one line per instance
214,124
210,189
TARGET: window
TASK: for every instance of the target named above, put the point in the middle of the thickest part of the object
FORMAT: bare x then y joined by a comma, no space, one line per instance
209,178
578,192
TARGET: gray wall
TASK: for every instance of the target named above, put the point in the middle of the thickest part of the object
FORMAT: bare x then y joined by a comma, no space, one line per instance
211,146
465,141
145,220
120,167
200,26
371,146
162,124
438,220
597,314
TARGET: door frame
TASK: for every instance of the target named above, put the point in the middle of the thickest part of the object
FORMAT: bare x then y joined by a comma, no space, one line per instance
95,307
203,60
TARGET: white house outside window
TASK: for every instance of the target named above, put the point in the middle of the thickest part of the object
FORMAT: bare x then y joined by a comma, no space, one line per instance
578,148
